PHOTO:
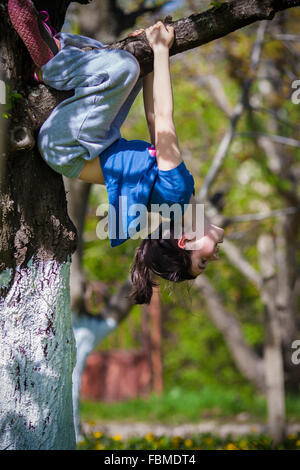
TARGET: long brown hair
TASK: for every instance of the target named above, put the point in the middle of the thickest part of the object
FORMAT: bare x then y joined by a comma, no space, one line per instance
162,257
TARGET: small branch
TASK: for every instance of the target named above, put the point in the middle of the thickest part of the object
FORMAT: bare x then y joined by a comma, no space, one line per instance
237,259
261,109
252,217
287,37
279,139
232,252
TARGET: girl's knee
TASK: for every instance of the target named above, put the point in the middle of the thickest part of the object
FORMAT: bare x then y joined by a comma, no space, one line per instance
130,66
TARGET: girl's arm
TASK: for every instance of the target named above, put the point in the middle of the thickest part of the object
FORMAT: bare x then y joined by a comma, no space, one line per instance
160,38
148,96
149,105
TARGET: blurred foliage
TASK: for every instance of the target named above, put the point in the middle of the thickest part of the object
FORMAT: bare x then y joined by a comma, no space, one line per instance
195,354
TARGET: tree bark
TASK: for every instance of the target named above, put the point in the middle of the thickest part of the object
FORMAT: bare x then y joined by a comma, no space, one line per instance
37,358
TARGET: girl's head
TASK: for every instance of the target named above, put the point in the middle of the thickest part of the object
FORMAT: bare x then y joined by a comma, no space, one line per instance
173,259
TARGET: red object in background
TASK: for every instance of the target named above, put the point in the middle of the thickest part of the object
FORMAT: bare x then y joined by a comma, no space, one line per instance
116,375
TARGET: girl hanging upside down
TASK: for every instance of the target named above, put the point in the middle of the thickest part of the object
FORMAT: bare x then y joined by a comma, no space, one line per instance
82,139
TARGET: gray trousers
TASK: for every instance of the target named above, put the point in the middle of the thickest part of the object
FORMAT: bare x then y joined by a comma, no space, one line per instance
106,83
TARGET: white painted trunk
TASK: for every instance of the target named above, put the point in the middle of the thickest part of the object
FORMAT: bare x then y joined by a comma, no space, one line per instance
275,392
89,332
37,357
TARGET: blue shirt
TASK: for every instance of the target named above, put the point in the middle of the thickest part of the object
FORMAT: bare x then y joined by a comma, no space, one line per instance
132,177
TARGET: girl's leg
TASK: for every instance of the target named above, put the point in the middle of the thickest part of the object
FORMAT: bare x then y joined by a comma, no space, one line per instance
92,171
83,126
124,110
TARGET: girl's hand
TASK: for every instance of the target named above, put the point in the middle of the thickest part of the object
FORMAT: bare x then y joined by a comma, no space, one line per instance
160,35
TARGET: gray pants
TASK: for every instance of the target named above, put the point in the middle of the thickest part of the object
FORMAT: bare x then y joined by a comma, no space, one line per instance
106,83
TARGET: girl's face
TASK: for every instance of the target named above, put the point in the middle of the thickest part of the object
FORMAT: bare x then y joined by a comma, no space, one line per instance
205,248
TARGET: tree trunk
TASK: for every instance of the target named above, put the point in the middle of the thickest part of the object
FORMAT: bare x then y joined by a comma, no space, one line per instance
37,358
37,239
156,343
273,360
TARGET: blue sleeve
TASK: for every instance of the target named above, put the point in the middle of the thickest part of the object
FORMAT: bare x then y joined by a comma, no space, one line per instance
173,186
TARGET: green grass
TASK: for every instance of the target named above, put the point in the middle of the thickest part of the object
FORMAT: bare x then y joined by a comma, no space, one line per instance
178,406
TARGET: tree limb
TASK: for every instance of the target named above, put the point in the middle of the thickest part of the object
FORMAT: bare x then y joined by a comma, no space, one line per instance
258,216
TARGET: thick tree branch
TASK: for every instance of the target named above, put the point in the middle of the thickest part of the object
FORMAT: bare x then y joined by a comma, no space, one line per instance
205,27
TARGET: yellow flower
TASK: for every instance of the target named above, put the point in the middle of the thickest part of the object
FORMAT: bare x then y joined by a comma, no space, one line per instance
159,442
291,436
149,436
98,434
99,446
117,437
188,442
298,443
175,440
231,446
92,423
243,444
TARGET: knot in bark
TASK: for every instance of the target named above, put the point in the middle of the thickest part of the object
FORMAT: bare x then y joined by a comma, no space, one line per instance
21,138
